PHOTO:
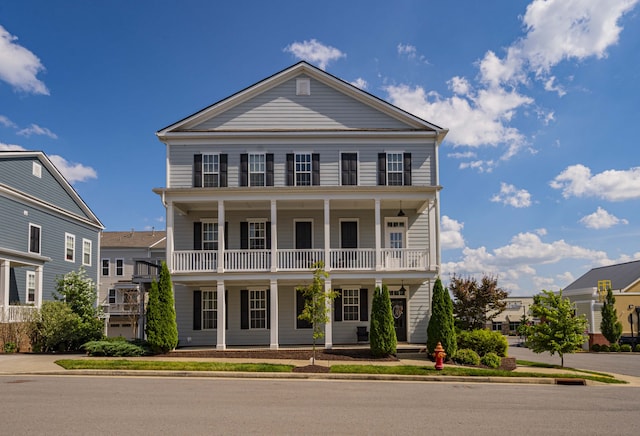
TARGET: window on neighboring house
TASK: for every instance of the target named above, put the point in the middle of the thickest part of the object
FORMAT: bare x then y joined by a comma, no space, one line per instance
257,235
349,169
513,326
256,169
496,326
86,252
209,236
119,267
209,310
258,309
69,247
351,304
34,238
112,296
105,267
394,169
31,287
210,170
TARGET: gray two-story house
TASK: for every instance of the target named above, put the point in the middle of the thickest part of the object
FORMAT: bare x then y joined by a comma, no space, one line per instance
299,168
46,231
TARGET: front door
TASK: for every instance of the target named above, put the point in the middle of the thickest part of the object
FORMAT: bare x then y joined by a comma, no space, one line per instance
303,238
399,310
349,240
395,239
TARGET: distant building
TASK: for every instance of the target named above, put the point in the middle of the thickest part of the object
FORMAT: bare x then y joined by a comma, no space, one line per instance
129,261
46,231
589,290
508,321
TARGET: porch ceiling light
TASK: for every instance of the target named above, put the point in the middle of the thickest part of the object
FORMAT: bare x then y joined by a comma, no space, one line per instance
401,212
402,290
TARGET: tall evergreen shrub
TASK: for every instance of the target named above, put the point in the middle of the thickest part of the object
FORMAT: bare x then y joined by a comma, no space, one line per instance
383,341
441,326
161,328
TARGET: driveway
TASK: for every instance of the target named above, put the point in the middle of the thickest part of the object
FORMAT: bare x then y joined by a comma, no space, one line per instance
617,363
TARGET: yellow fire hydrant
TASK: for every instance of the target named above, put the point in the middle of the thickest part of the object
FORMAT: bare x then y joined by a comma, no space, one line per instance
439,355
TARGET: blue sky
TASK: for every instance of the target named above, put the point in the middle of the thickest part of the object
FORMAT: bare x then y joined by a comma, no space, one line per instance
540,169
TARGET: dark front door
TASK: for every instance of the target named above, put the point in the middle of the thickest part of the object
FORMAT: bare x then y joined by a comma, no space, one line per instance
303,235
349,239
399,310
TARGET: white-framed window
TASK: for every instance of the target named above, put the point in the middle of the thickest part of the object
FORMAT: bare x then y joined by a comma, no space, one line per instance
86,252
258,309
69,247
303,169
395,169
351,304
209,310
31,287
112,296
210,170
105,267
119,267
34,238
257,169
209,235
36,170
257,235
496,326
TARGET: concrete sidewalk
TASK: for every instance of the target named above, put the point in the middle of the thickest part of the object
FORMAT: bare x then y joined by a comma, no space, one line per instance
44,364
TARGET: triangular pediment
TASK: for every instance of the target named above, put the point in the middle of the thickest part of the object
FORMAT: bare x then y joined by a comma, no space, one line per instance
301,98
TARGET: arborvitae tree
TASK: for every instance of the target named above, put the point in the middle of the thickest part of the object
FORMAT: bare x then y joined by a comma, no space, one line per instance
161,328
383,341
441,326
610,327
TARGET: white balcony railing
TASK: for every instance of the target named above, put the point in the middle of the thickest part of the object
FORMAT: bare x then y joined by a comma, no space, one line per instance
361,259
16,313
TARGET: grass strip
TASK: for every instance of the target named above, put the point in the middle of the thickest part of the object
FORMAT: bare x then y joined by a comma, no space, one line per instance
552,366
161,365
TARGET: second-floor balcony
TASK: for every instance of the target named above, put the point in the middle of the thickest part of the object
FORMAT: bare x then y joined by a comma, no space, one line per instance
361,259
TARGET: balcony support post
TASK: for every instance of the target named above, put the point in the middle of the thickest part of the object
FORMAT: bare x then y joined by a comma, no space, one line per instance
221,339
221,233
274,236
4,286
273,315
169,249
327,236
378,233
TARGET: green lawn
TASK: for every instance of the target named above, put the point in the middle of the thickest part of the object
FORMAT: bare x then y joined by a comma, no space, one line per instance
158,365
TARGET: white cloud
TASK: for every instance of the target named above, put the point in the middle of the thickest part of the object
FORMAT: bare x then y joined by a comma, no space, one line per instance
511,196
610,185
10,147
19,66
73,172
411,53
451,233
34,129
465,155
315,52
5,121
360,83
601,219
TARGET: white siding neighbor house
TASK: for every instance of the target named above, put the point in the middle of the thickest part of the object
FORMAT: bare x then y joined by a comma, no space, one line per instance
46,231
299,168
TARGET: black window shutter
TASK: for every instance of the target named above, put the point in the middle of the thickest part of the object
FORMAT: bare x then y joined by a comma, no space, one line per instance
197,310
269,169
197,236
226,235
197,171
315,169
382,169
337,306
301,323
35,240
223,171
364,305
244,169
290,171
407,169
244,309
267,235
244,235
268,308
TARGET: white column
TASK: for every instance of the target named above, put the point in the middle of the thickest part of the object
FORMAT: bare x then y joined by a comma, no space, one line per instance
274,236
379,283
378,236
4,287
221,233
39,285
170,213
221,339
273,316
327,236
328,327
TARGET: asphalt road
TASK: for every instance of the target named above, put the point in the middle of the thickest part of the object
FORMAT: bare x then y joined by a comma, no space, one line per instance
73,405
617,363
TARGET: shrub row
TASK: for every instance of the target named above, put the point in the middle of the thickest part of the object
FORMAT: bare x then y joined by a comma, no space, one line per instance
466,356
115,348
615,348
483,342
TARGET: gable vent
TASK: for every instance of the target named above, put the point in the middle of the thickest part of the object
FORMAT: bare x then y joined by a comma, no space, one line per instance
37,170
303,87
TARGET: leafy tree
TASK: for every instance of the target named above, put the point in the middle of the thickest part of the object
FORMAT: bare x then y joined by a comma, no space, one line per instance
610,327
55,328
560,330
383,333
161,327
316,303
441,326
475,304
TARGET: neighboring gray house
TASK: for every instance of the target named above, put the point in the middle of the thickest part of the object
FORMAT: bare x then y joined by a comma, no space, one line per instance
129,261
298,168
46,231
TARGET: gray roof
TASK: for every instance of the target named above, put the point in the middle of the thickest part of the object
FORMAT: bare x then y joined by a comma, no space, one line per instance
134,239
621,275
